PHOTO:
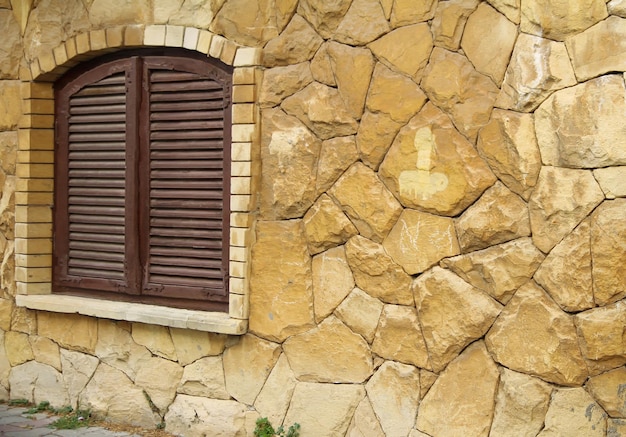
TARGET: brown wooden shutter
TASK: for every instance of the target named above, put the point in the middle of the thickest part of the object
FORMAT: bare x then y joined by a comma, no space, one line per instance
188,218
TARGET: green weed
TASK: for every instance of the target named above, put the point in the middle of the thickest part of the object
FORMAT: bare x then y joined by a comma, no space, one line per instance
265,429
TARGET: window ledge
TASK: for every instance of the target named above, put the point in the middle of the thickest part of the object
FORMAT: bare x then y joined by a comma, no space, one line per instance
133,312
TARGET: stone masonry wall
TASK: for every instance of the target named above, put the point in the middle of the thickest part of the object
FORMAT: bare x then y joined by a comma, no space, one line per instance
440,242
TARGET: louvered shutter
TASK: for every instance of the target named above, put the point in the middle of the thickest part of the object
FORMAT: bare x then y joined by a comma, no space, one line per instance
188,181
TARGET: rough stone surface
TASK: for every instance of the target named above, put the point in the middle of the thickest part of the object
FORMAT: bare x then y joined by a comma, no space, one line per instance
204,377
376,132
275,396
367,202
331,352
573,412
326,226
364,422
419,240
449,22
468,312
298,43
281,299
394,394
336,155
46,351
399,337
160,379
617,7
17,348
408,12
609,390
78,368
281,82
499,270
566,272
103,13
510,8
431,167
602,336
68,330
190,415
538,67
116,348
497,217
488,41
247,365
555,19
562,199
363,23
612,180
38,383
156,338
332,281
460,402
323,15
191,345
325,409
376,273
289,152
580,127
616,427
360,312
10,110
11,45
393,49
452,83
534,336
509,146
608,251
521,404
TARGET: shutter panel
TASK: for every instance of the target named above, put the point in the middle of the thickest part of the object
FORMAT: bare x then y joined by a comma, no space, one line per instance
96,180
188,253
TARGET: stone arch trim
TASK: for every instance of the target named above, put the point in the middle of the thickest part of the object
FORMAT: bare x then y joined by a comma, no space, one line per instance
35,171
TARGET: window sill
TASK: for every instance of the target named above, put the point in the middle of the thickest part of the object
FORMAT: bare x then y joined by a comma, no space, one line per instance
216,322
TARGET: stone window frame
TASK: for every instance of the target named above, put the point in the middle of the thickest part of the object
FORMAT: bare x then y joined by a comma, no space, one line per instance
35,175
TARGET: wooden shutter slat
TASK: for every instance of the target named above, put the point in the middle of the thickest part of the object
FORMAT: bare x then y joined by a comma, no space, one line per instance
94,182
83,236
94,137
97,228
178,125
96,174
185,85
177,136
188,175
185,243
98,103
104,109
186,233
186,204
96,273
197,105
184,164
198,213
96,128
96,146
103,255
187,115
99,247
185,222
100,219
179,98
105,117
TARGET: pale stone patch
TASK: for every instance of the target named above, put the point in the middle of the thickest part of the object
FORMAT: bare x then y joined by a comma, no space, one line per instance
461,401
322,109
70,331
195,13
374,137
24,320
38,383
116,348
10,109
159,378
454,85
156,338
498,270
581,127
103,13
190,415
281,298
431,167
497,217
332,281
191,345
8,153
617,7
10,45
449,22
247,365
326,226
364,422
573,412
556,20
376,273
510,8
427,379
275,396
324,409
488,41
78,368
566,272
368,203
6,309
419,240
612,180
5,365
297,43
46,351
323,15
600,49
521,404
399,337
336,155
609,390
562,198
405,12
331,352
345,61
361,313
534,336
17,348
320,66
204,377
282,82
363,23
608,251
538,67
405,49
467,311
289,152
509,145
394,393
599,332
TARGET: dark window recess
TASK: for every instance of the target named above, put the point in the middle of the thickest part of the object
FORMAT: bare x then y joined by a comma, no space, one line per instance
142,180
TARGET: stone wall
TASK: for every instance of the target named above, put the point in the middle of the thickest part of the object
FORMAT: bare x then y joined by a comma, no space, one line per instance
440,241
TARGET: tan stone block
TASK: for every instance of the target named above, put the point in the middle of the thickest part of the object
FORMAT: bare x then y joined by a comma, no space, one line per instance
406,12
22,260
33,246
204,377
134,35
324,16
363,23
239,254
24,320
204,42
275,396
240,237
247,56
608,391
298,43
35,71
36,90
190,38
17,348
154,35
364,422
574,412
35,139
244,94
191,345
34,185
33,214
241,220
46,61
227,54
449,22
244,76
60,54
194,414
243,132
70,48
240,202
556,20
159,378
282,82
10,111
174,36
33,230
33,198
238,285
83,45
326,226
336,155
461,401
612,180
115,36
35,156
6,311
36,121
240,168
156,338
37,288
217,44
46,351
240,185
39,106
33,274
243,113
332,281
377,131
70,331
238,306
360,312
35,171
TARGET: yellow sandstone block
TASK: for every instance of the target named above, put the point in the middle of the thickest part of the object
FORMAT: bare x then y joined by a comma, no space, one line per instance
33,230
33,246
33,214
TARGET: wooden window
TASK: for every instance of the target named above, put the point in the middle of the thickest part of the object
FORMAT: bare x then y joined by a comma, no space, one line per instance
142,169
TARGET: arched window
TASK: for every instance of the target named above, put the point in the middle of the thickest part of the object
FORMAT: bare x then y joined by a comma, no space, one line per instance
142,171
